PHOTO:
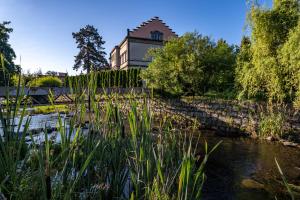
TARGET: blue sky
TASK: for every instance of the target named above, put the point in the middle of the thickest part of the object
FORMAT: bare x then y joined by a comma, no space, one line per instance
43,28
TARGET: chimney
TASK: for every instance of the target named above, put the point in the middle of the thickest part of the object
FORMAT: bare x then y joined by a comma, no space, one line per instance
128,32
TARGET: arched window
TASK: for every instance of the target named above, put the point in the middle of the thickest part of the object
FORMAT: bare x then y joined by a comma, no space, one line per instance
156,35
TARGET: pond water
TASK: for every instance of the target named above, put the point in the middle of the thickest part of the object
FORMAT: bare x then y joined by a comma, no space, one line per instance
244,169
240,168
40,123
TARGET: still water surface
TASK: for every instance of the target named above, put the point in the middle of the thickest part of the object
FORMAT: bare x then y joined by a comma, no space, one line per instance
238,159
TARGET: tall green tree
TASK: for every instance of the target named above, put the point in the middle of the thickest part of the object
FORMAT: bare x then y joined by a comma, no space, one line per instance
220,67
263,74
244,74
191,64
91,56
289,56
8,54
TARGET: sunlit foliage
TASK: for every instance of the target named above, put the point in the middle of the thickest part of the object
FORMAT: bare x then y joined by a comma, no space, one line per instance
191,64
264,68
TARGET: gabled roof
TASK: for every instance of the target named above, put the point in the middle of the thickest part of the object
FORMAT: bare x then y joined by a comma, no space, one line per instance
149,21
142,31
154,20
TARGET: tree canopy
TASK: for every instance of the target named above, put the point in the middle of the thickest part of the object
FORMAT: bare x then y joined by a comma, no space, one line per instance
91,54
191,64
7,53
264,67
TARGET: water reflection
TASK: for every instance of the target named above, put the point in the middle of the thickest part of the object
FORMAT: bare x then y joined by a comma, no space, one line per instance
37,121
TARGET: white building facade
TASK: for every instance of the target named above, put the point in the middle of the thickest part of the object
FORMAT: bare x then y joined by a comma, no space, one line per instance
132,51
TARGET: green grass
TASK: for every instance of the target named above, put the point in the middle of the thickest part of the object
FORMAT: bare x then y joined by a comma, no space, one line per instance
271,123
46,109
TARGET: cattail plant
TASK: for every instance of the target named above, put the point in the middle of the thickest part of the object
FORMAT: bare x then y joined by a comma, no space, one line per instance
117,156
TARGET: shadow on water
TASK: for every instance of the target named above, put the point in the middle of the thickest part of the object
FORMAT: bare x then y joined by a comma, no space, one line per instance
245,169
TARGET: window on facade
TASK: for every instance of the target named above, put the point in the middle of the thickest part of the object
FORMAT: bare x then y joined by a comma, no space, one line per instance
156,35
124,57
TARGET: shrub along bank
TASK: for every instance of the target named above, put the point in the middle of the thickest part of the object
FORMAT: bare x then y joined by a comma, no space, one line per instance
110,78
106,78
46,81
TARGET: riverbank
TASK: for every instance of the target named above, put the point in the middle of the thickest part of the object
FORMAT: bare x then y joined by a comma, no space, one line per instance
236,118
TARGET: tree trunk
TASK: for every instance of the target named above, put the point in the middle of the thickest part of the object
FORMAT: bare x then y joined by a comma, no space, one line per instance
88,73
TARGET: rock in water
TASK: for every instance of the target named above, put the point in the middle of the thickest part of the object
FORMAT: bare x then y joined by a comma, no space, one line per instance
251,184
270,138
290,144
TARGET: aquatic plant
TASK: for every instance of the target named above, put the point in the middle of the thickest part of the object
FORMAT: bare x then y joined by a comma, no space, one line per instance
272,123
291,189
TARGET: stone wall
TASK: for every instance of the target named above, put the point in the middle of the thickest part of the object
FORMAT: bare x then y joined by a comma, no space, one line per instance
226,117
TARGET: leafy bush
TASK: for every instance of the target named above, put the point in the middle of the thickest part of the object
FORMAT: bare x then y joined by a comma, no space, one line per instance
47,81
191,65
15,79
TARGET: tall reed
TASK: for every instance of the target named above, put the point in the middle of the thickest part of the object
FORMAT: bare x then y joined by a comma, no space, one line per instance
118,156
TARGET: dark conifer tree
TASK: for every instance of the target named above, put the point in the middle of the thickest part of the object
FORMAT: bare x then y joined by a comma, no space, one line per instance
91,56
7,53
